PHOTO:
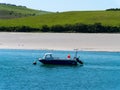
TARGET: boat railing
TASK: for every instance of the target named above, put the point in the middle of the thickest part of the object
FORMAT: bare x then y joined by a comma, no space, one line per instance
56,58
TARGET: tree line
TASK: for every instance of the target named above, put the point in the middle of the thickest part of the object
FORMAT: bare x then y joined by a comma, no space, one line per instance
113,9
12,5
76,28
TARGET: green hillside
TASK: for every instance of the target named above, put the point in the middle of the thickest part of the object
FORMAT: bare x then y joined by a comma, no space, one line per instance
12,11
88,20
86,17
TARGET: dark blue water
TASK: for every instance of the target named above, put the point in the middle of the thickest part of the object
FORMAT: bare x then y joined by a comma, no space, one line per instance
101,71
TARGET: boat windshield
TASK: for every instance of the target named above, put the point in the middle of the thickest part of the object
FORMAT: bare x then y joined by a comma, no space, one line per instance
48,56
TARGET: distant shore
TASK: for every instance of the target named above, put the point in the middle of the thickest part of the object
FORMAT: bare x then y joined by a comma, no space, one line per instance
61,41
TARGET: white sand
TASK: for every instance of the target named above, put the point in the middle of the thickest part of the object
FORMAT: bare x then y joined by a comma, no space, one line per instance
60,41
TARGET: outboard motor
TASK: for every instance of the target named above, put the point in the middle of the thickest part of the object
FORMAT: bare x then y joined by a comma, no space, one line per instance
77,59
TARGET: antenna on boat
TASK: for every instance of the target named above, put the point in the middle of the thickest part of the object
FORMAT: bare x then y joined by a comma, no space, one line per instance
76,51
77,58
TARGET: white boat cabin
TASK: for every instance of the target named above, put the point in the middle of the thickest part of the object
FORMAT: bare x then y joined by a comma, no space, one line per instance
48,56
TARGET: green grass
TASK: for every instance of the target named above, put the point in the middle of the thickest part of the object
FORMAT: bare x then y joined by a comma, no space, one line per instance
111,18
13,11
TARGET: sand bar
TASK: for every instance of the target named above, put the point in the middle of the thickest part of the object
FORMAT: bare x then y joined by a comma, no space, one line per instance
60,41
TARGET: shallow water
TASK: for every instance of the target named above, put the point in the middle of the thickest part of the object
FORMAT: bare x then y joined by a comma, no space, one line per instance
101,71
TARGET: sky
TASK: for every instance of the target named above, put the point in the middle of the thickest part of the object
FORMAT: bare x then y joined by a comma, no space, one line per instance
66,5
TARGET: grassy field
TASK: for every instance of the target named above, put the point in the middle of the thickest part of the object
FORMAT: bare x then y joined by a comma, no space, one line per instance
8,11
111,18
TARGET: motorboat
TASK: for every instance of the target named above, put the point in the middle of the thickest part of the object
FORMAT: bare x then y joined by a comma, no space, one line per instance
49,59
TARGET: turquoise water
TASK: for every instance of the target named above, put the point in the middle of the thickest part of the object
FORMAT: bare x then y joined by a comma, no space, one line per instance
101,71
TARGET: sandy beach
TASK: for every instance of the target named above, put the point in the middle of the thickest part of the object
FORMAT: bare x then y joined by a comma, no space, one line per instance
60,41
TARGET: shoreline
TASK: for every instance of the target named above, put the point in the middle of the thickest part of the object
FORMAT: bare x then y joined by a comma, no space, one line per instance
61,41
114,51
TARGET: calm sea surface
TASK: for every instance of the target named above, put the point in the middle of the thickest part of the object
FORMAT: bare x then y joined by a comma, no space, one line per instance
101,71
